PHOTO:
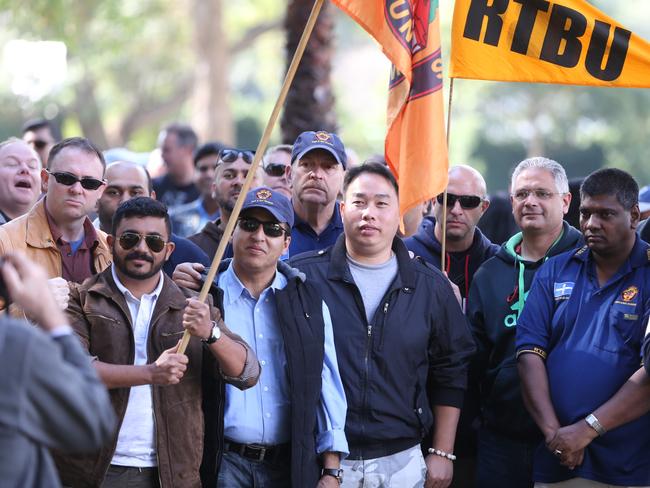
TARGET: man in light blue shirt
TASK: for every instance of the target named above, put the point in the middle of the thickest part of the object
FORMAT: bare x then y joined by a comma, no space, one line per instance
275,433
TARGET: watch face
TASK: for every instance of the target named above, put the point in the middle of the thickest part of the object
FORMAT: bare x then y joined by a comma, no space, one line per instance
216,332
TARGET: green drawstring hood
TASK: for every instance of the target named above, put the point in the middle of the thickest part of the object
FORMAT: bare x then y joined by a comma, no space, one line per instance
511,248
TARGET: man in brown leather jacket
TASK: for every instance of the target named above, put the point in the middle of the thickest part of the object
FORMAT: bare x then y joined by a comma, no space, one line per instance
130,318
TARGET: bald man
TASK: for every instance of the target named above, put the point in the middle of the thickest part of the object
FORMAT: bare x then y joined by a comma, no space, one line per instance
466,246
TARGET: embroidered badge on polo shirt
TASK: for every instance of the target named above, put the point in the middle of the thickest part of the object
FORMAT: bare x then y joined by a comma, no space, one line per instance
562,291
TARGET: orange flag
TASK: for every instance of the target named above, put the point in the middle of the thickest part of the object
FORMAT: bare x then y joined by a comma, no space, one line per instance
556,41
416,147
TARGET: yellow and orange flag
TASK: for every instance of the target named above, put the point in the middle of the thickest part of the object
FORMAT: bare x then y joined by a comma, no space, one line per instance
555,41
416,147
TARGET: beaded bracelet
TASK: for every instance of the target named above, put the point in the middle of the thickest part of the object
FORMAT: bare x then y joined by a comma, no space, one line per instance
443,454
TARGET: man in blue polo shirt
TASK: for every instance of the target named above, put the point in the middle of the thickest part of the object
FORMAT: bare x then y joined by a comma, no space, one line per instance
579,343
317,167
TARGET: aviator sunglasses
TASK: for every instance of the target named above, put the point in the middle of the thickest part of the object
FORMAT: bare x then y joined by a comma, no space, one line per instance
275,169
68,179
231,155
271,229
129,240
466,201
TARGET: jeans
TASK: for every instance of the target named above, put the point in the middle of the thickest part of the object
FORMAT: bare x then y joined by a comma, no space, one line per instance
405,469
503,462
239,472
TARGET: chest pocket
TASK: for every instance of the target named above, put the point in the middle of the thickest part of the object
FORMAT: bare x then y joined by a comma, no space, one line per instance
625,331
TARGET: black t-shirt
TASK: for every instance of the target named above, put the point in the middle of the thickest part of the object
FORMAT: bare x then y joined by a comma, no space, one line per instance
172,195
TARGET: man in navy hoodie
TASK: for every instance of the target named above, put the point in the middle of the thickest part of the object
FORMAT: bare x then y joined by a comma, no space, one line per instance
466,248
508,435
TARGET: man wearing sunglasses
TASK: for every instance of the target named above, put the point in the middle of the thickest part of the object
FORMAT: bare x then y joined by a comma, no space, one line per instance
177,144
231,171
277,169
20,179
130,318
57,233
38,133
190,218
276,432
508,436
318,163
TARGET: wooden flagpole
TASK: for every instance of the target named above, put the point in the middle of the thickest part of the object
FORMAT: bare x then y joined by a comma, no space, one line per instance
232,221
444,195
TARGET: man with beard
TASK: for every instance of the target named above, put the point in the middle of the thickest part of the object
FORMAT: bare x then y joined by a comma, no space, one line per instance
126,180
130,319
231,171
20,179
579,344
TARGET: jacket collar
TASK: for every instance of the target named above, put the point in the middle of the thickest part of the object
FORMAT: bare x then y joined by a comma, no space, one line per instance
39,234
340,271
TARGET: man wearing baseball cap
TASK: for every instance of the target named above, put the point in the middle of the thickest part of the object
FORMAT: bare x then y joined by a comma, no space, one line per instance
318,163
289,429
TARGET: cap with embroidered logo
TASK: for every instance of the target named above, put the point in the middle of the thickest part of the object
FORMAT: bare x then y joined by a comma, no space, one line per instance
310,140
272,201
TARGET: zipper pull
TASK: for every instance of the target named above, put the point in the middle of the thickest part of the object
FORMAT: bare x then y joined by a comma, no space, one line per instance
386,307
369,330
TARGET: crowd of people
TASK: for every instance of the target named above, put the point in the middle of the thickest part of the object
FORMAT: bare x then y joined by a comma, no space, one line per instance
341,344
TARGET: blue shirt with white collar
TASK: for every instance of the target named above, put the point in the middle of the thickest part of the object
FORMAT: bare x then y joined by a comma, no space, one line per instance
590,337
261,415
304,238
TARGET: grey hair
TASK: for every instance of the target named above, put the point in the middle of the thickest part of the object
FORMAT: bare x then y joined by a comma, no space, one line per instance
553,167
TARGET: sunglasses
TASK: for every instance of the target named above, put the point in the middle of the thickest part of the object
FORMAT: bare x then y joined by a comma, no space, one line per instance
129,240
275,169
231,155
39,144
68,179
466,201
271,229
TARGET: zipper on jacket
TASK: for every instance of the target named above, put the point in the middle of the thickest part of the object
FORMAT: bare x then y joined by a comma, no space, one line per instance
366,403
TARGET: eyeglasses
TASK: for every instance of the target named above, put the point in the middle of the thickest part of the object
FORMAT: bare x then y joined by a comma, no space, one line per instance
271,229
231,155
466,201
129,240
68,179
522,195
275,169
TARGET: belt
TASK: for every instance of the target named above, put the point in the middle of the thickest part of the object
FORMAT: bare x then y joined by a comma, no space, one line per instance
258,452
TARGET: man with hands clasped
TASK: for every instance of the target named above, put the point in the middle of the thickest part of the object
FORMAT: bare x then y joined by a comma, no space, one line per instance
131,318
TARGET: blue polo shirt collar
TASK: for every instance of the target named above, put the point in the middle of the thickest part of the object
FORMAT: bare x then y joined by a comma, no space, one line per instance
639,256
335,222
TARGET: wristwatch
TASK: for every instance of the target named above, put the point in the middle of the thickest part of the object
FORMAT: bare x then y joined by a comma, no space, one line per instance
214,335
337,473
595,424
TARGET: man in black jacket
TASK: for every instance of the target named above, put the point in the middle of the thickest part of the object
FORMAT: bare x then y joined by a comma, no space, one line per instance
396,322
540,198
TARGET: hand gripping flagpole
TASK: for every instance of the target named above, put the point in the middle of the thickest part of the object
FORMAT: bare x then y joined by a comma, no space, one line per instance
291,72
443,235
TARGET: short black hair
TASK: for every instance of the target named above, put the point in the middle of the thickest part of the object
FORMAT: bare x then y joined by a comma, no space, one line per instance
184,133
141,207
372,168
207,149
80,143
612,181
36,124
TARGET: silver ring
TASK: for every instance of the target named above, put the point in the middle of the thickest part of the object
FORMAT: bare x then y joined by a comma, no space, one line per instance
557,452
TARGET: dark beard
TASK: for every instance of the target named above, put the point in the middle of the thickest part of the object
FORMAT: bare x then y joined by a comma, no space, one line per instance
121,265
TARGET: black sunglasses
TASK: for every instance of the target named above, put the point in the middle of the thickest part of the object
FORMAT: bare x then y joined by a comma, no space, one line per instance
129,240
39,144
466,201
271,229
231,155
275,169
68,179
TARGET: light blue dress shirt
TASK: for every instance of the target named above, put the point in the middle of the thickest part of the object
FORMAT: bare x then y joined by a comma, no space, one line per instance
262,414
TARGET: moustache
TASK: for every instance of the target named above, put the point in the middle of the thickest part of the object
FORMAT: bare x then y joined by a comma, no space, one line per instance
138,255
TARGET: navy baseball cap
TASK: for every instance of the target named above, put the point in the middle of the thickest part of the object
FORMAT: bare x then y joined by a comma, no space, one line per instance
275,203
310,140
644,198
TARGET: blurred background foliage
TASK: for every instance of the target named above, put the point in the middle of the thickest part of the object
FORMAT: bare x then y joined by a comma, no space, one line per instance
134,65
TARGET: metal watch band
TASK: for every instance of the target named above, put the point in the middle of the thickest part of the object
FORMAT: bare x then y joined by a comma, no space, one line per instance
595,424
